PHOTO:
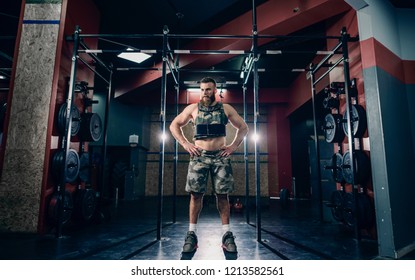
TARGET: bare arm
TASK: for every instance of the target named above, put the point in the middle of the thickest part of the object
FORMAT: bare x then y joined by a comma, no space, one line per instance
241,130
176,129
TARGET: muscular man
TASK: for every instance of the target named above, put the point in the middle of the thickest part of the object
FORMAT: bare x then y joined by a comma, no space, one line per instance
209,154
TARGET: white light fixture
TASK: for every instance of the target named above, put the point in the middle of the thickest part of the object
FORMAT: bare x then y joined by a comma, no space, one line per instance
136,57
133,140
2,77
193,89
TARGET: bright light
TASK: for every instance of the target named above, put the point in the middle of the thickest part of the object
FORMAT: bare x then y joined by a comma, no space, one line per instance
2,77
136,57
193,89
198,90
164,136
255,137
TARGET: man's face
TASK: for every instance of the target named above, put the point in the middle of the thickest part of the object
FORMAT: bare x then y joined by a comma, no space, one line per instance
207,93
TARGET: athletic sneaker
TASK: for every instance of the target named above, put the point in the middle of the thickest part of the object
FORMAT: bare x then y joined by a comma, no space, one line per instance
228,242
190,242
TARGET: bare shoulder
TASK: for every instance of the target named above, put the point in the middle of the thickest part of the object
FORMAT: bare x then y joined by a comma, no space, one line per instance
185,116
191,106
229,110
190,109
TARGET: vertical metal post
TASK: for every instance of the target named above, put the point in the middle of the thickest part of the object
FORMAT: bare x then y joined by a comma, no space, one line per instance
246,160
350,136
256,114
176,155
66,140
176,143
316,144
163,133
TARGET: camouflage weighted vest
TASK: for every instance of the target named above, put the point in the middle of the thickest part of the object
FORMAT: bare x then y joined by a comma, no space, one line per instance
210,121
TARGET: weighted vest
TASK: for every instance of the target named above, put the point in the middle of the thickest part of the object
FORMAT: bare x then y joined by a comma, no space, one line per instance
210,121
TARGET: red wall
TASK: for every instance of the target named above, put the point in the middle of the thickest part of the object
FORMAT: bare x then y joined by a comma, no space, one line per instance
279,149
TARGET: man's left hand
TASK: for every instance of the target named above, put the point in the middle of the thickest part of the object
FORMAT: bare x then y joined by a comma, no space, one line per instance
226,151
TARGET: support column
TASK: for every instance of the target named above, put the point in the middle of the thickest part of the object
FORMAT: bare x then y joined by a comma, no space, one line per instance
389,93
30,99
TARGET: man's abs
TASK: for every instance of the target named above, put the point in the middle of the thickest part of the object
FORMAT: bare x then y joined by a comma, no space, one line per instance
211,144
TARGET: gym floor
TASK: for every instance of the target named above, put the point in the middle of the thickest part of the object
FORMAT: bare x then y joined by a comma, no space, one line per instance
128,230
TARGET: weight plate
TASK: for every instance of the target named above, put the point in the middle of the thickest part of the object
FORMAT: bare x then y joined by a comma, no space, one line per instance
72,165
91,127
358,121
332,128
337,172
348,212
362,164
75,119
54,204
85,204
364,213
336,200
347,168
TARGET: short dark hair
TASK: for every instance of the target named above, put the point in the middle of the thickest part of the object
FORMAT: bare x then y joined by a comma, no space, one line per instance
208,80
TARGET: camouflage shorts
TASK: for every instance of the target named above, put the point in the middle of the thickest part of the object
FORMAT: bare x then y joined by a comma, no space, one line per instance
210,162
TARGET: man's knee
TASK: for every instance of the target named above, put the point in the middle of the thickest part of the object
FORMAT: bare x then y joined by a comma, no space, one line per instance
196,195
222,196
222,200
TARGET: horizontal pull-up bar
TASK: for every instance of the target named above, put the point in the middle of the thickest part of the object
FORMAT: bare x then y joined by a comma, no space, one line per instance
260,70
126,36
207,36
230,52
352,39
138,68
137,36
210,70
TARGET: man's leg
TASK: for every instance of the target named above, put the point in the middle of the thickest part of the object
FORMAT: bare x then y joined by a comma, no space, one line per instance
224,184
228,239
195,207
222,202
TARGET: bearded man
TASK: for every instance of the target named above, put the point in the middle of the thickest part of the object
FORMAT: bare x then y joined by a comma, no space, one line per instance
209,155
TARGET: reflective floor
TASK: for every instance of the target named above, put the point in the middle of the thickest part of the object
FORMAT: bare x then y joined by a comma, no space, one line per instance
129,231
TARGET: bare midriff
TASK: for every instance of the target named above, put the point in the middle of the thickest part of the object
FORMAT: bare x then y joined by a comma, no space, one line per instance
211,144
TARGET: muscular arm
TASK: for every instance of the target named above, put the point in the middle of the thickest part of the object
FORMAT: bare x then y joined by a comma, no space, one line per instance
241,129
176,129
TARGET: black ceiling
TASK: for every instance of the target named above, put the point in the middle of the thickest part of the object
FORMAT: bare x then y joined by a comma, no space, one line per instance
181,16
403,4
9,18
201,17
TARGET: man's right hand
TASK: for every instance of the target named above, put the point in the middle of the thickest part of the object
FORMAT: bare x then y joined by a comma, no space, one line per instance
191,149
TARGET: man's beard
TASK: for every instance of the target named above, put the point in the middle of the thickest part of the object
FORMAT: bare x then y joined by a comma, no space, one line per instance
207,101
